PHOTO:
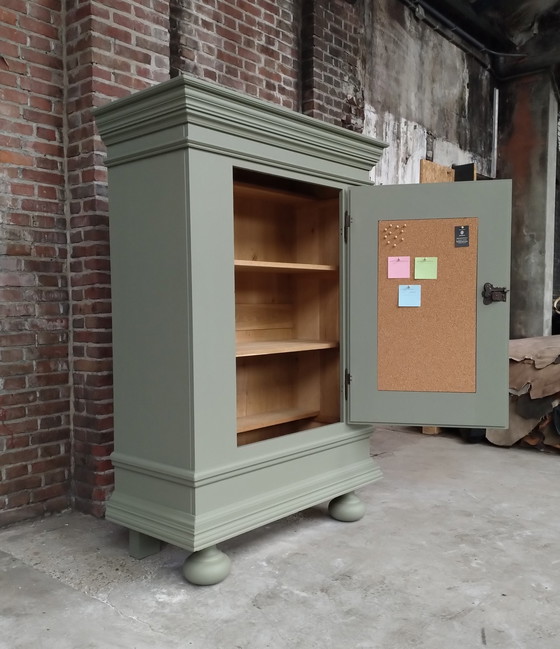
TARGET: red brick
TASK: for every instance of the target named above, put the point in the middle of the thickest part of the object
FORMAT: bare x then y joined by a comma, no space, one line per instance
20,514
60,504
50,464
51,450
15,398
16,280
47,436
46,493
16,427
14,442
19,456
15,158
56,476
8,33
40,58
12,310
92,365
35,175
8,17
14,369
38,27
10,355
41,13
14,383
18,499
47,408
19,484
17,471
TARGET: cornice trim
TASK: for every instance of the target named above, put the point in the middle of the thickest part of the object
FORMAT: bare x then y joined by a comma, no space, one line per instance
189,102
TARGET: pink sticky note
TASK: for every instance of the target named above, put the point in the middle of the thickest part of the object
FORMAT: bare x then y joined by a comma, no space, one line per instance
398,267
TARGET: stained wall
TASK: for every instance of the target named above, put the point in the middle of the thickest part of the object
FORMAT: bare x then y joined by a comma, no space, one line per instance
425,96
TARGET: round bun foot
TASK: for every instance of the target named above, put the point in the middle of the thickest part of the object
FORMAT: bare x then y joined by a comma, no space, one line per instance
347,508
207,567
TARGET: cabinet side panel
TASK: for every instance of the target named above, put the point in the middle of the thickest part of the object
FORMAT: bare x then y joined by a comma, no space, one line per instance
150,284
213,308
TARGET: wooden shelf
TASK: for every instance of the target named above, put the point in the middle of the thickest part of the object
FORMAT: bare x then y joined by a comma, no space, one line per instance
266,419
264,348
283,267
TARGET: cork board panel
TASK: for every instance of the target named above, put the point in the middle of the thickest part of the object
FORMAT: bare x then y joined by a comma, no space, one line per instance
431,172
431,347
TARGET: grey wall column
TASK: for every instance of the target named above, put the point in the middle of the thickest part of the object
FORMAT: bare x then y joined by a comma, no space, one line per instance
527,154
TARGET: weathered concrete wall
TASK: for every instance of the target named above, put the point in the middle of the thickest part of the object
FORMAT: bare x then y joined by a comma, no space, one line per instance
424,96
556,282
527,154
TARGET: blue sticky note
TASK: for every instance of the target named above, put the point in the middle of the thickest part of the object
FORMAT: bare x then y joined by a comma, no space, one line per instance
410,295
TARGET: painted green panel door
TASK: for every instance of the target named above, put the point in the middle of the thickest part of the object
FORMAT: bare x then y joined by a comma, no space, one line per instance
425,346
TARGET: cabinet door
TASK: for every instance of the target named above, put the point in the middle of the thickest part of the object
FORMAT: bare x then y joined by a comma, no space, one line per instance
425,346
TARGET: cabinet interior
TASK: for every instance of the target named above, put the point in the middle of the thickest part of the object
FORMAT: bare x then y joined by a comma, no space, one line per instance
287,295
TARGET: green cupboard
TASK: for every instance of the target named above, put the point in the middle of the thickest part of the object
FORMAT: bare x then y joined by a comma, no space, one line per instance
262,320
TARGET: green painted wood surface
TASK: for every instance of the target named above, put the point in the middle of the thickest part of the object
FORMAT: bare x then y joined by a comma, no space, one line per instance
179,475
186,110
490,201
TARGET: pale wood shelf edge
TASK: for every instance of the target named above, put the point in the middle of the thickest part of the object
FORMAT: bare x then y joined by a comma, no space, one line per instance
263,348
280,266
263,420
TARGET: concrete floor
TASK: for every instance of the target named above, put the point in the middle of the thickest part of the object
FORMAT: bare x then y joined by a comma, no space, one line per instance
459,548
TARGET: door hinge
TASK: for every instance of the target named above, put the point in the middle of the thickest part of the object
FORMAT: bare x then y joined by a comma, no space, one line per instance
347,381
347,221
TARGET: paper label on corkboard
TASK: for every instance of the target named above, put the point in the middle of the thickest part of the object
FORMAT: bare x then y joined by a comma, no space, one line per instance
430,348
462,236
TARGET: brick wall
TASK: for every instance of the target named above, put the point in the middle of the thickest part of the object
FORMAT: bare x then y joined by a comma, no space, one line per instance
112,50
55,66
34,382
250,45
333,33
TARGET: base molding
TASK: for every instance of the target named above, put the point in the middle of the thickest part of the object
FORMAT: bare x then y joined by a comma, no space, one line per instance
196,532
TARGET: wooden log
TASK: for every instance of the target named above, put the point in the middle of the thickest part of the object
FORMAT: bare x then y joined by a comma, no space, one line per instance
431,430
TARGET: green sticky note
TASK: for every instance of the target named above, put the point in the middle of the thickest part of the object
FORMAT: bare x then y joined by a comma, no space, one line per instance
425,268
